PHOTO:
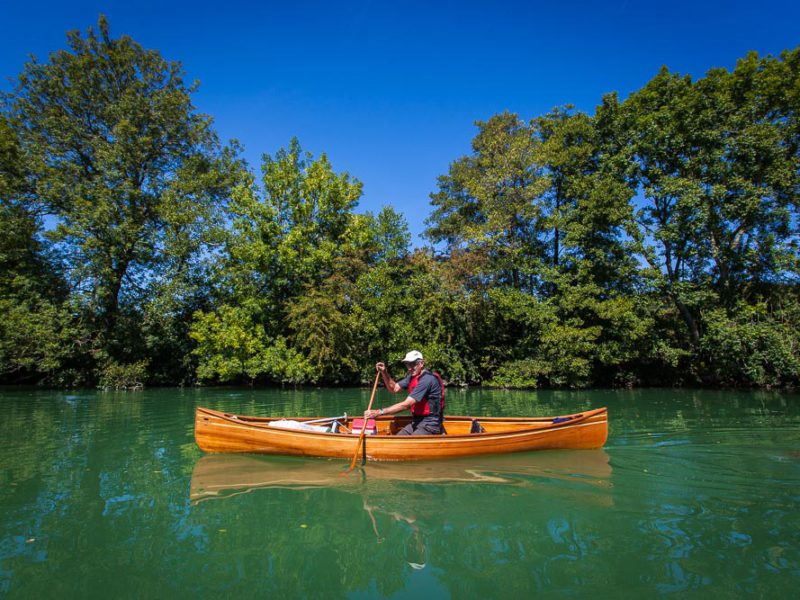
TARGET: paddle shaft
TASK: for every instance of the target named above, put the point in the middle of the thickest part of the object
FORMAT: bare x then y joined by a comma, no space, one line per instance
364,428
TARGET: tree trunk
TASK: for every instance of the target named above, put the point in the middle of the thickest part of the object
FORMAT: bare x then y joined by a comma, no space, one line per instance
691,323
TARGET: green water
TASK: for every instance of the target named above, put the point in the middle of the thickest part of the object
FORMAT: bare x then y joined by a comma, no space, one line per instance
105,495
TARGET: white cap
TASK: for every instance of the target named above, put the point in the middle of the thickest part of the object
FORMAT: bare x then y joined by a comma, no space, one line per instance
412,356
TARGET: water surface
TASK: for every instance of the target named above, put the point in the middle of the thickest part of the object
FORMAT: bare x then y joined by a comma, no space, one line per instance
105,495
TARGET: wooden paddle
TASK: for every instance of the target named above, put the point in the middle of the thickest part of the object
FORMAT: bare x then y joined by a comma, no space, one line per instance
364,427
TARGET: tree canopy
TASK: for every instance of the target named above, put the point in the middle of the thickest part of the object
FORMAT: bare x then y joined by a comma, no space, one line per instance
653,242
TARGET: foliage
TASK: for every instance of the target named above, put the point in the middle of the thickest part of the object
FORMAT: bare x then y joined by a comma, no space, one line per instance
37,331
231,346
752,345
716,160
652,242
122,376
288,274
129,174
487,204
523,373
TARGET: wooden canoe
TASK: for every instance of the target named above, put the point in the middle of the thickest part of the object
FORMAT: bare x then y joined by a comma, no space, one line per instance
216,431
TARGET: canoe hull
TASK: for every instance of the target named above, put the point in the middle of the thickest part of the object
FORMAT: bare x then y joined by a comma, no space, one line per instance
223,432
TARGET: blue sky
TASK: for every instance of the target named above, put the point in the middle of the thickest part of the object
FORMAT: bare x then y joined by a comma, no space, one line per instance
391,90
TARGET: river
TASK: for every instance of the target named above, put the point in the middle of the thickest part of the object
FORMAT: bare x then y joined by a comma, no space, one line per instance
105,495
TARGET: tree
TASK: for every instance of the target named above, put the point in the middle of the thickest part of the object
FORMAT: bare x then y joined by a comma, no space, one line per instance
232,344
39,337
292,257
131,174
594,277
488,205
718,171
543,213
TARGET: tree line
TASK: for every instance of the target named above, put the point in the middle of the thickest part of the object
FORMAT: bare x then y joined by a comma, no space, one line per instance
654,242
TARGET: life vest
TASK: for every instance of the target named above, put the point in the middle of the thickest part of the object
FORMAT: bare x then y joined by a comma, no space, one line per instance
423,408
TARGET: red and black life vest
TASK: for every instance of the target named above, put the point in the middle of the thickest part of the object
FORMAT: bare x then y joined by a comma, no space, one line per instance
422,408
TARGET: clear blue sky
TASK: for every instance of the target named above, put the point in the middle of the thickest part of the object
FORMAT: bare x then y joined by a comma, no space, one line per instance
391,90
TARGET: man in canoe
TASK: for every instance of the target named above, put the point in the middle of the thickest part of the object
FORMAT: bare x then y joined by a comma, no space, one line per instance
425,396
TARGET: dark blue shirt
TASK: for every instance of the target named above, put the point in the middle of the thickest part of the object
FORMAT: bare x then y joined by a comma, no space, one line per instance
428,387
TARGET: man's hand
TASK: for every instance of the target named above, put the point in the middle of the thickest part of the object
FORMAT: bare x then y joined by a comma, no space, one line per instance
380,368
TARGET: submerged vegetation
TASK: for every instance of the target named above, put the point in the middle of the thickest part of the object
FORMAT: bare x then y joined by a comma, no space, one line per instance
654,242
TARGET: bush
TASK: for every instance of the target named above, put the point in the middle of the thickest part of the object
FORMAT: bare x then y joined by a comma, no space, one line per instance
119,376
751,346
522,373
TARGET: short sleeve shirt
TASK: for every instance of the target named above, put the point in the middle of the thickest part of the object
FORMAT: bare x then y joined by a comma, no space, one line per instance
427,387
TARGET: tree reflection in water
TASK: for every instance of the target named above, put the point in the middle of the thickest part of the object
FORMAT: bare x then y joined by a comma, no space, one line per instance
460,518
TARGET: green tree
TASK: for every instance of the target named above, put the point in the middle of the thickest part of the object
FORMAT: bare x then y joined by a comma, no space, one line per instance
487,205
754,344
717,167
130,173
233,345
545,203
37,333
293,255
594,276
313,207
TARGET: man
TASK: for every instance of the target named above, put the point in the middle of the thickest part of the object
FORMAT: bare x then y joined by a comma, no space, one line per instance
425,396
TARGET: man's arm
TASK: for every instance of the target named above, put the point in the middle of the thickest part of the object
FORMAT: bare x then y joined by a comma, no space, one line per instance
390,383
393,387
390,410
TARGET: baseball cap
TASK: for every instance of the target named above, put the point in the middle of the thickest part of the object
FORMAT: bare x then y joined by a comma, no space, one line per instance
412,356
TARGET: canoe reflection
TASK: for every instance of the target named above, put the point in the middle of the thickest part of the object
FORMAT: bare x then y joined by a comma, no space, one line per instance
226,475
